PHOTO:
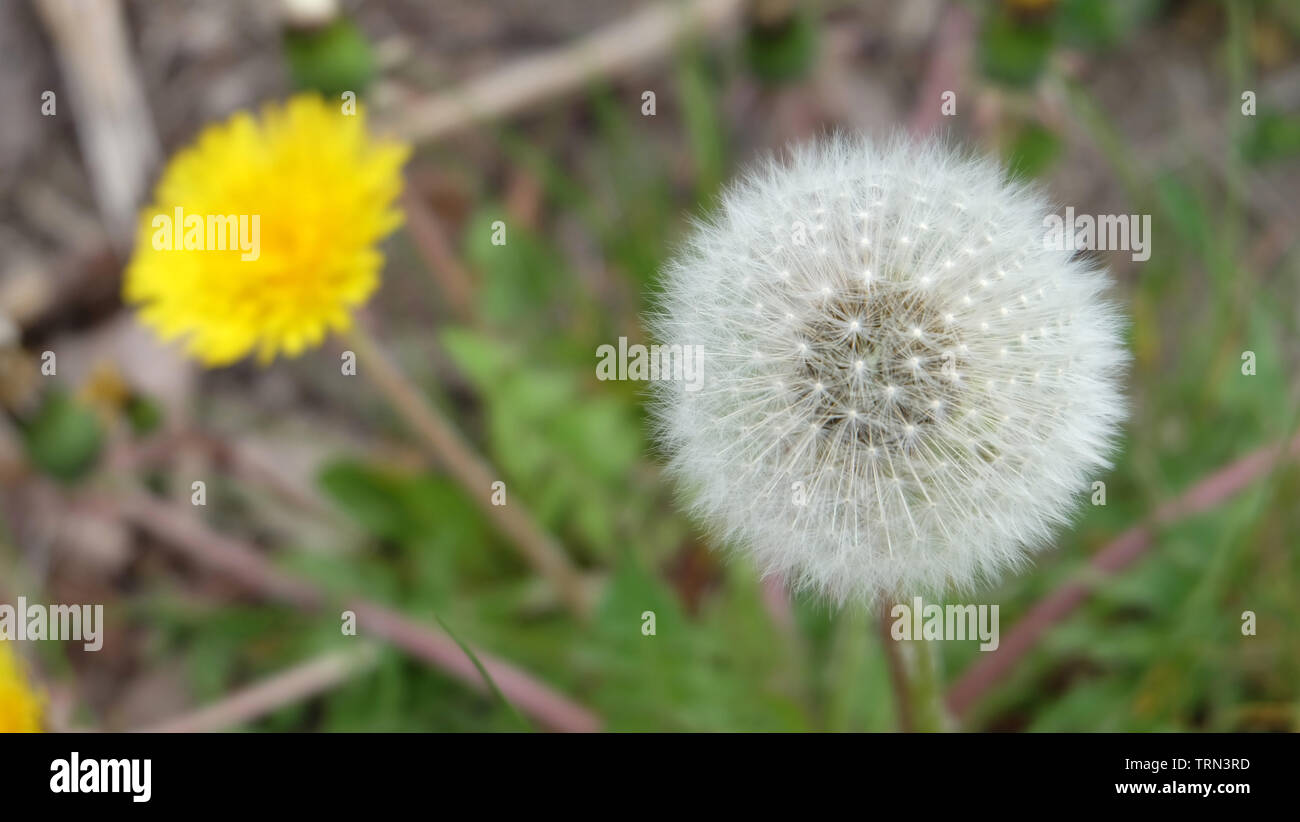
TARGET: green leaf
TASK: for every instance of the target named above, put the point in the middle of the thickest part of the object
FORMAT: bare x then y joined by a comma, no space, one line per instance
519,277
483,672
1014,52
372,497
144,414
1186,211
1272,137
782,51
482,359
570,453
1033,151
331,60
1101,24
700,112
64,439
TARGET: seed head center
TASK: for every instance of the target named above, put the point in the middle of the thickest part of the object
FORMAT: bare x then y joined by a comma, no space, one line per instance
879,365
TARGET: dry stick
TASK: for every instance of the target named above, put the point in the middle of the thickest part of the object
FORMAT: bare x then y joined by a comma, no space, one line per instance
638,39
239,459
432,244
538,548
117,136
948,59
1123,551
244,565
285,688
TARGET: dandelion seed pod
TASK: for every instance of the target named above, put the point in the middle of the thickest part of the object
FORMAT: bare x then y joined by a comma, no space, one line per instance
905,389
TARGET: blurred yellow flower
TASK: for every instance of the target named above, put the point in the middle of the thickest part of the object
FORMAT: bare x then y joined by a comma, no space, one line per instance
20,707
262,234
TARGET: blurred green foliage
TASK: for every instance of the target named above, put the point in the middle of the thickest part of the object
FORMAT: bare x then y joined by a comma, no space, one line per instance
1018,38
1032,151
1273,136
331,60
781,50
63,439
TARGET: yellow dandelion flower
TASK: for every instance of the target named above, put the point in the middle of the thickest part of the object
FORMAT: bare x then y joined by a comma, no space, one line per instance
20,706
262,234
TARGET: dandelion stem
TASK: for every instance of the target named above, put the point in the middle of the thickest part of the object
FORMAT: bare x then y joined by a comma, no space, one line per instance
475,475
914,675
928,714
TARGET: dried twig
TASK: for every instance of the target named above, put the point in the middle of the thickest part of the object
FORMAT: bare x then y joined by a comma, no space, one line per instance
241,459
299,682
113,123
641,38
431,241
948,60
538,548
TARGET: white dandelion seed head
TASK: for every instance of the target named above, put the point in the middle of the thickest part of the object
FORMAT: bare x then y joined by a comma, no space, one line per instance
941,385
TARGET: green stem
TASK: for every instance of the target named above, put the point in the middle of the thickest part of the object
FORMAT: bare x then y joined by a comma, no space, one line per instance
915,674
923,682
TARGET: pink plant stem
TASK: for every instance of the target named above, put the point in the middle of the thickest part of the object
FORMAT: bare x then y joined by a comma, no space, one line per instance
776,601
246,566
440,258
947,67
1120,553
